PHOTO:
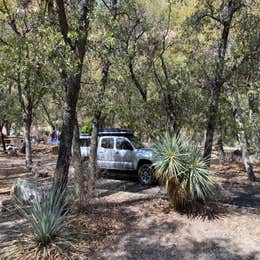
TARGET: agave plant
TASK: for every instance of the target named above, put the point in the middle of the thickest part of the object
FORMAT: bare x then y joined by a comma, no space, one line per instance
183,170
48,233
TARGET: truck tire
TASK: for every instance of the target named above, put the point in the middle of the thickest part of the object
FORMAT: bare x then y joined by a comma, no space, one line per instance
145,174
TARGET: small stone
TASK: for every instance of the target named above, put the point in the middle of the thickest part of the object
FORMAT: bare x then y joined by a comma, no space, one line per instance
39,171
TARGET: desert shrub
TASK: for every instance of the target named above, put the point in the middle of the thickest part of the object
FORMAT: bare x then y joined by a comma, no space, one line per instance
48,234
181,167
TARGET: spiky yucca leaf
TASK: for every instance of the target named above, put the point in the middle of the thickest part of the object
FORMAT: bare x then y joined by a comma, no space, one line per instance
170,158
200,180
46,215
182,169
48,233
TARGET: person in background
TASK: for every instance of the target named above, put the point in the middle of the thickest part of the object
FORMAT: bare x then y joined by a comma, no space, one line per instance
54,135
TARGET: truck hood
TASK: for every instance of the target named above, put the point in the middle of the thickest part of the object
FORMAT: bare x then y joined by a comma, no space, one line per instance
146,153
145,149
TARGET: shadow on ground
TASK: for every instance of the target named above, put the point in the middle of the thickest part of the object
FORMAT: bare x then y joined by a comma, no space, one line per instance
240,196
212,249
146,237
161,239
233,195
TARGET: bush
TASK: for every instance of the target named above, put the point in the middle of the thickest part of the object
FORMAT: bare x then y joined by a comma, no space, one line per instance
86,129
183,170
48,232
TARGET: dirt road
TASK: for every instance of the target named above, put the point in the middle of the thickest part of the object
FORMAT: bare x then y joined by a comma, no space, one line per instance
149,229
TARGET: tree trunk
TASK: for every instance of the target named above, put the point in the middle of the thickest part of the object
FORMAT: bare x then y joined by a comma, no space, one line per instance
221,152
218,79
72,84
69,115
27,139
172,124
220,148
253,110
170,108
49,120
93,156
243,141
2,138
8,128
96,124
80,189
136,82
212,121
27,121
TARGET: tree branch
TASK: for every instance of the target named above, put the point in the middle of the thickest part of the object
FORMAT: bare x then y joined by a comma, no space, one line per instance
136,81
64,27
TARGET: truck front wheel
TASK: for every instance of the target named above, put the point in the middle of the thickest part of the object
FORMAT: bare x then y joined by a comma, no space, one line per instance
145,174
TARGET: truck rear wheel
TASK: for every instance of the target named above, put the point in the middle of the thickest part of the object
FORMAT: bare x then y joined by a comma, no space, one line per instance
145,174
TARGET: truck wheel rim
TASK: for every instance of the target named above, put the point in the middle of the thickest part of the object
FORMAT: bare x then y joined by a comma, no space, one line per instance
146,174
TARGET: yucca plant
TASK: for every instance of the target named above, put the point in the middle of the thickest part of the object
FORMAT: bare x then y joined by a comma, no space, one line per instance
183,170
48,234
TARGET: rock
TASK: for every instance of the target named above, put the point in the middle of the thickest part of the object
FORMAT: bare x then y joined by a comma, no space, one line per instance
11,150
25,191
40,171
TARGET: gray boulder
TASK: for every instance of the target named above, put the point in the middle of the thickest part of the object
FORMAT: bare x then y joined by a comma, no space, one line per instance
11,150
40,173
43,170
26,191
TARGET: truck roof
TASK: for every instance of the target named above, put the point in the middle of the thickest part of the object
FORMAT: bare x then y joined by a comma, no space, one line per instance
112,132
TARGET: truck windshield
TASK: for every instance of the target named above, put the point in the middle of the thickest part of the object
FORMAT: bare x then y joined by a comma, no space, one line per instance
136,143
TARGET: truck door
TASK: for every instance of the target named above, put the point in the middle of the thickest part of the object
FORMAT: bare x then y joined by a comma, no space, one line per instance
84,146
105,153
124,154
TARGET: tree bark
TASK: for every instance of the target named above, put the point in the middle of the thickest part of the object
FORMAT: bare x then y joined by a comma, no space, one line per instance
221,152
80,189
166,91
8,123
2,138
218,80
142,91
243,141
8,128
253,110
212,121
71,84
69,115
93,156
96,124
27,110
48,115
27,122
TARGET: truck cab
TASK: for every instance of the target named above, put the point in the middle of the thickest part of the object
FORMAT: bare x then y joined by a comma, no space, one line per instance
118,150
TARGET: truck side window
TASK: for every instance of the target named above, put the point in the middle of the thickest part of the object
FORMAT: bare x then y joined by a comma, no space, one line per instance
85,142
107,143
123,144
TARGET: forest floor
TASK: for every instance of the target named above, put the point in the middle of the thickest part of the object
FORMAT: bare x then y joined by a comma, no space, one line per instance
128,221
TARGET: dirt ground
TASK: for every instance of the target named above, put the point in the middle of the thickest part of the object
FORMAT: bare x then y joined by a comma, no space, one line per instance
128,221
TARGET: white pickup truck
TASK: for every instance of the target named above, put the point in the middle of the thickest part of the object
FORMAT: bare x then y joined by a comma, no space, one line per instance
117,150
